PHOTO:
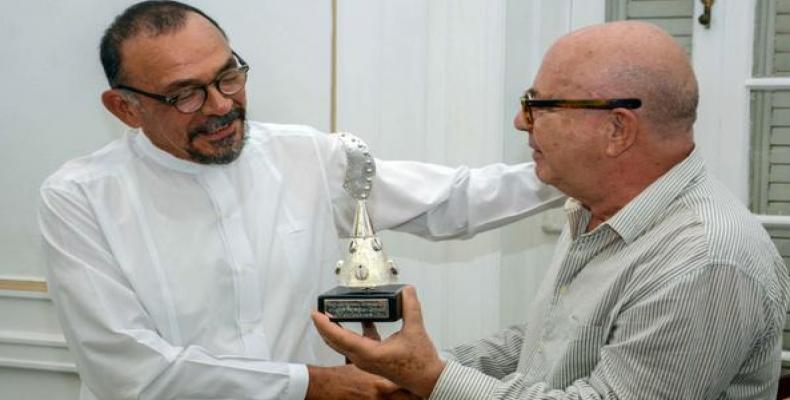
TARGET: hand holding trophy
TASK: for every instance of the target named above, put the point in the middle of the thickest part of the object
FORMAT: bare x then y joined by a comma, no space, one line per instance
367,290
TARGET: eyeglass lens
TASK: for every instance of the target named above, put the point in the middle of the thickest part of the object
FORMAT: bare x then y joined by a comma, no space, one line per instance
525,108
192,99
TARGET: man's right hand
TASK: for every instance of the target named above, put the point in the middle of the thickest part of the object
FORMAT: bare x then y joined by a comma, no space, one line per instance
349,382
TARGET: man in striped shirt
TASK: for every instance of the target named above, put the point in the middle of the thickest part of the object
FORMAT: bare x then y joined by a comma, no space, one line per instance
662,286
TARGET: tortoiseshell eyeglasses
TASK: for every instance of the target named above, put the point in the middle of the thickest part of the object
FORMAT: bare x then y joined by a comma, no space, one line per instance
528,102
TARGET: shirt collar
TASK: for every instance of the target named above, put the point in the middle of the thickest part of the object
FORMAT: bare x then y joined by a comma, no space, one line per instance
146,148
647,207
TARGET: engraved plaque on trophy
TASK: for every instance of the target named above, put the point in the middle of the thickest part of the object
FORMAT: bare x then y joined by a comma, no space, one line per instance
367,290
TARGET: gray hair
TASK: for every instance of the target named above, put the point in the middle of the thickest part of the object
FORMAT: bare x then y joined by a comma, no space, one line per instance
668,100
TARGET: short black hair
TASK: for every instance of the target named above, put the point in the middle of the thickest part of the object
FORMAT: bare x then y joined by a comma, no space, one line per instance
155,17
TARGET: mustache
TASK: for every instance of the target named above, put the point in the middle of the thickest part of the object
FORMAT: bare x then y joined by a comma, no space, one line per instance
214,123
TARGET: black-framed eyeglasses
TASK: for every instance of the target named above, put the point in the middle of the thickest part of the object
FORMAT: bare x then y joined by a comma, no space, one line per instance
528,102
190,99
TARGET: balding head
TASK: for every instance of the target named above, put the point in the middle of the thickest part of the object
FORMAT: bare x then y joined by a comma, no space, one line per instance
605,157
151,17
632,59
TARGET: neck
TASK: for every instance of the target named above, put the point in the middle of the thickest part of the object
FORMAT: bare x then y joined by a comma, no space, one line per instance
605,207
623,183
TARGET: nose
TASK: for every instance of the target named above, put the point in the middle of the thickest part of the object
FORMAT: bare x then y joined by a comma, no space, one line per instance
520,122
216,102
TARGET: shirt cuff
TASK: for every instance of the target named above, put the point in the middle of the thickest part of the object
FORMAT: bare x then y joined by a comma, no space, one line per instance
462,383
297,386
446,355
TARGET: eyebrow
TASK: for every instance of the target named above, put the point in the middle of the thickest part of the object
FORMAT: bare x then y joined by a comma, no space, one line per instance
182,83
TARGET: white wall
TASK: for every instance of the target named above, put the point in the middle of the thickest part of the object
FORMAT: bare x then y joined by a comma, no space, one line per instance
722,58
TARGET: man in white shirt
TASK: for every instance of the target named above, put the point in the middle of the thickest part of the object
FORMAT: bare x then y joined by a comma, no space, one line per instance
185,256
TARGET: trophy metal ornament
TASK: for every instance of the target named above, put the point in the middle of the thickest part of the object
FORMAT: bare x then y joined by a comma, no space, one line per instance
367,290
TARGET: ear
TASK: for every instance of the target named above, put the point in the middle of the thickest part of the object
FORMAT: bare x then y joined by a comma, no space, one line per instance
624,130
119,106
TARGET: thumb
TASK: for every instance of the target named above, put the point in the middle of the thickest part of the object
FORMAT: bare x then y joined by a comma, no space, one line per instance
412,311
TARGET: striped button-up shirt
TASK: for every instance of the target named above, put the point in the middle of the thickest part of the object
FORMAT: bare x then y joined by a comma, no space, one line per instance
680,295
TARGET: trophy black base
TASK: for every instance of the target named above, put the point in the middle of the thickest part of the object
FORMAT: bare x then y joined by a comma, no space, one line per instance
376,304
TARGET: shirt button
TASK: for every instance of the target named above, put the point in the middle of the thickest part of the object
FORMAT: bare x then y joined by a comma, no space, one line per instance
563,290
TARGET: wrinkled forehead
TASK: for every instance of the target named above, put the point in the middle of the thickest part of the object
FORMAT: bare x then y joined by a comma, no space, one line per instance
555,80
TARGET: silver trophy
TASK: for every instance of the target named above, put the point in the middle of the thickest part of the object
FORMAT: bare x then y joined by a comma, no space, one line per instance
367,279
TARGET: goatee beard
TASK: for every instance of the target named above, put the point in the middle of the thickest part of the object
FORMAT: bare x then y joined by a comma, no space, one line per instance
226,150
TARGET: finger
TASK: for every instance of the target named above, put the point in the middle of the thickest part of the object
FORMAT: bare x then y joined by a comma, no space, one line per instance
321,321
412,311
385,386
381,384
343,341
369,331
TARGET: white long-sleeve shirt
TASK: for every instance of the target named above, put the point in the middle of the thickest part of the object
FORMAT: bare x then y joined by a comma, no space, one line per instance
178,280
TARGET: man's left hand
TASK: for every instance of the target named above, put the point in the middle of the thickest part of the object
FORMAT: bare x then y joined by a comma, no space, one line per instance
407,357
